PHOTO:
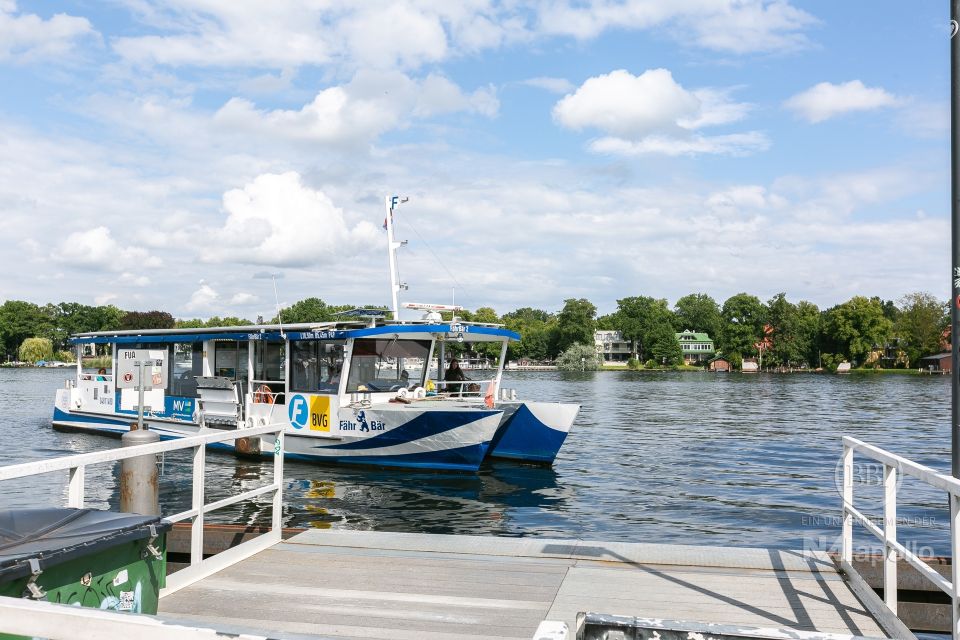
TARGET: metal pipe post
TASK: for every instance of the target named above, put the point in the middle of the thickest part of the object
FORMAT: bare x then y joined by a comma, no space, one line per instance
955,233
139,476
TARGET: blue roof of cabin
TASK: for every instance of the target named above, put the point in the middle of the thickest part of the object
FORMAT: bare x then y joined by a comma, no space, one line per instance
424,331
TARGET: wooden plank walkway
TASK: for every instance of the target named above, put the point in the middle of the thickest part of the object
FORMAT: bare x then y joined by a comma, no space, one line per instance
350,584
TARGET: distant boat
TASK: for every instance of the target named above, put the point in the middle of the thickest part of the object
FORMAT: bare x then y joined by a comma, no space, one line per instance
843,367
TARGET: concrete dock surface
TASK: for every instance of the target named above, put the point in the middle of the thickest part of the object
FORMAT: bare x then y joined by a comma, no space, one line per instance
352,584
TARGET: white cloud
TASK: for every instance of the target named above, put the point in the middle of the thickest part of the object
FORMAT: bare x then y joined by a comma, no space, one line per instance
276,220
730,26
652,113
134,279
203,299
553,85
735,144
408,34
28,37
96,249
826,100
358,112
242,299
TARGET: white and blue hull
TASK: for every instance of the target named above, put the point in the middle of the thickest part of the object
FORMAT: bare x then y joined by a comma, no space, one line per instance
532,431
443,438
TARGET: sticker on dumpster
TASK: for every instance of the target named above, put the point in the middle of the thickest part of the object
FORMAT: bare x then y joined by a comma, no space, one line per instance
126,601
121,578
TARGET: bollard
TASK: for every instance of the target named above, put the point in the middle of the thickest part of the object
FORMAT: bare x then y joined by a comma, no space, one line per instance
139,477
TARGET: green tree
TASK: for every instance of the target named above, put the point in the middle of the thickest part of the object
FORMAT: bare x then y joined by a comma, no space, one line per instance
579,357
307,310
35,349
147,320
607,322
857,326
919,323
20,320
782,319
698,312
229,321
664,346
807,332
576,323
743,319
535,327
640,319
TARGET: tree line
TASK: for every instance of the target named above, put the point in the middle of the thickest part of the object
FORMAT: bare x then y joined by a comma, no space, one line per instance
866,331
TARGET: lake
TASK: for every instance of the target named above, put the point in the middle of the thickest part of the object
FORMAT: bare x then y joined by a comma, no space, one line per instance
671,457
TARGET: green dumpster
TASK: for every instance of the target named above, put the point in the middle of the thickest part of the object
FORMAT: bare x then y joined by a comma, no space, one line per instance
86,557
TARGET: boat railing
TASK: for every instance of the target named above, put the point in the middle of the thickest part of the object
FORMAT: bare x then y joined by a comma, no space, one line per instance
479,388
199,566
887,533
95,377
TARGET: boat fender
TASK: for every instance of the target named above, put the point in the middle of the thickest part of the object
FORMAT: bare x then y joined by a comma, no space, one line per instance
419,393
402,393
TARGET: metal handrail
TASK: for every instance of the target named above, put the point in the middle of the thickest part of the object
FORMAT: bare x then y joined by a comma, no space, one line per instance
892,464
199,567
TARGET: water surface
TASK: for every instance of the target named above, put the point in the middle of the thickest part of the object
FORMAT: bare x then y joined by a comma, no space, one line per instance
691,458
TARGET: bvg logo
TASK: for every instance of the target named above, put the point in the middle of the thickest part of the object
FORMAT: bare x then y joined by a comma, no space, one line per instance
299,411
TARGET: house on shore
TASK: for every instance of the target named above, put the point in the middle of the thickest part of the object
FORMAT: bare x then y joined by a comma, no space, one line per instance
940,363
697,347
611,347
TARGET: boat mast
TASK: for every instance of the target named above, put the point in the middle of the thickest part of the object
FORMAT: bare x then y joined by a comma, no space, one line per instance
955,232
392,246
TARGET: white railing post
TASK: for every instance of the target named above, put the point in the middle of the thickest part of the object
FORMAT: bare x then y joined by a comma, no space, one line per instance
196,529
890,536
75,489
277,519
846,550
955,568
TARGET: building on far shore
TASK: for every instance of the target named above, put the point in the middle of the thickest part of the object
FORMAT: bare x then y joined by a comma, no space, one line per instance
940,363
719,364
697,347
611,346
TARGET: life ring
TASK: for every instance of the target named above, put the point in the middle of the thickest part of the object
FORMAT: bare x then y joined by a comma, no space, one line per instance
263,394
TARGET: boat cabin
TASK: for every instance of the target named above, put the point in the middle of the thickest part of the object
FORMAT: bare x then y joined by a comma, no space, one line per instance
299,373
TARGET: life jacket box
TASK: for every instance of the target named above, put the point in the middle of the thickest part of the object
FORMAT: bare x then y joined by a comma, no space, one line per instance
86,557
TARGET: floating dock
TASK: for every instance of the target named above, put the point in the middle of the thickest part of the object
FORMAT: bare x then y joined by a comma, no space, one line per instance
353,584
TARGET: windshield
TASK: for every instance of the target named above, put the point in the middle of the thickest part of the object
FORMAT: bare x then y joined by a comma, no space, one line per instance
387,364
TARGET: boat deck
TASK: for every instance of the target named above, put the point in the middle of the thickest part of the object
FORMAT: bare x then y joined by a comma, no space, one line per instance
351,584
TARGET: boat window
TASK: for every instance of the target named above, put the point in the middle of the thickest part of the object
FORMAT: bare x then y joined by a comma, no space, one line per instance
387,364
315,365
230,359
268,361
186,362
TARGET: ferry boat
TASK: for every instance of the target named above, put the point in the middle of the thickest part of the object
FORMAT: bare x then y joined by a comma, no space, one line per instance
365,389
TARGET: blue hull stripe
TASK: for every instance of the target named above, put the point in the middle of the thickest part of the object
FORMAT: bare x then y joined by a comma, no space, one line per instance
60,415
427,424
526,438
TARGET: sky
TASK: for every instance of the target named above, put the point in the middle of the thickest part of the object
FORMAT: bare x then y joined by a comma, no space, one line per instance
191,155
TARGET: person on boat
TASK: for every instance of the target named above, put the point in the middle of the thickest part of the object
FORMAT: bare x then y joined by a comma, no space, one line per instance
455,374
101,374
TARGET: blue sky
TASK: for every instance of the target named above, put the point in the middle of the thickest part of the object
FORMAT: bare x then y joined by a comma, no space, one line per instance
171,155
